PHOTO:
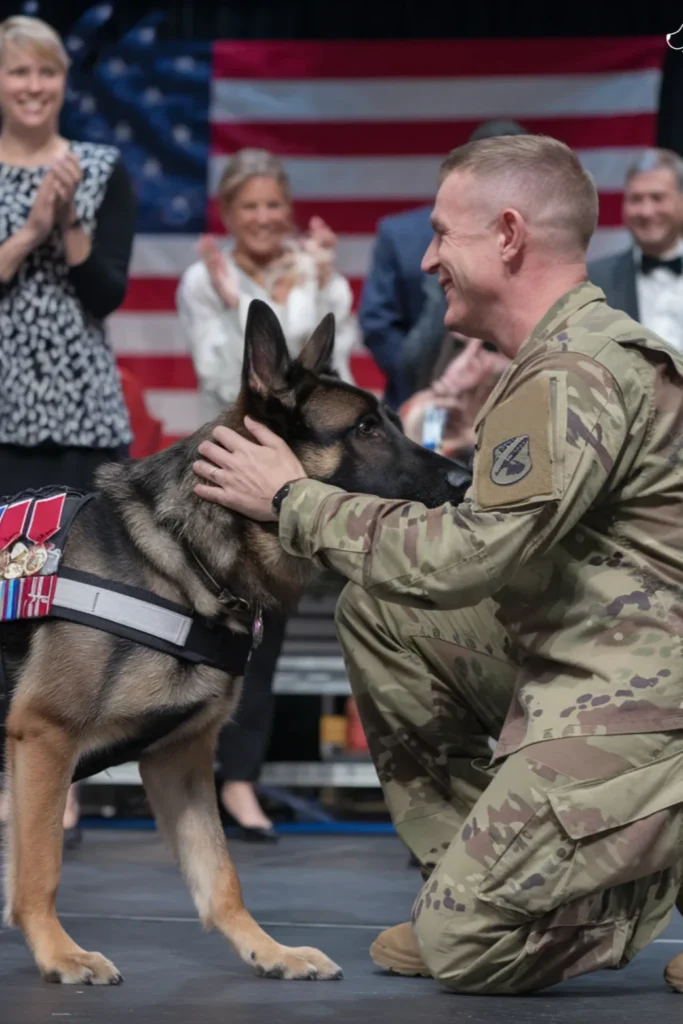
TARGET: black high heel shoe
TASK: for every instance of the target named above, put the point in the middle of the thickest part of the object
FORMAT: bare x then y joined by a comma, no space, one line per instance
259,834
73,837
247,833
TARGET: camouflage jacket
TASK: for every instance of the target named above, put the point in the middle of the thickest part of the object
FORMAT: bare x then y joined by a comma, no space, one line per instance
573,525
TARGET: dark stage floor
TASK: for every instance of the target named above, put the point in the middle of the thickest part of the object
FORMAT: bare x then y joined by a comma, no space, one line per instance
122,896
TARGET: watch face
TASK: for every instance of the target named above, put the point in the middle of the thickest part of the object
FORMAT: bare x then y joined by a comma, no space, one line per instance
278,498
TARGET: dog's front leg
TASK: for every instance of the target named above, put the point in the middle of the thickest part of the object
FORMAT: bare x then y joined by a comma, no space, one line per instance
179,783
40,756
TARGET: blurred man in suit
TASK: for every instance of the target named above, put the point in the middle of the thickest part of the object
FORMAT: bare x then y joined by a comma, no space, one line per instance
646,280
395,289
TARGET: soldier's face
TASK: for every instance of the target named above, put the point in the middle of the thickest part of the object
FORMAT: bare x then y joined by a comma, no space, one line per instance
464,253
653,210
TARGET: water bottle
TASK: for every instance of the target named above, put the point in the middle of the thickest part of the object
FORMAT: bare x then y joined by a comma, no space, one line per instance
433,427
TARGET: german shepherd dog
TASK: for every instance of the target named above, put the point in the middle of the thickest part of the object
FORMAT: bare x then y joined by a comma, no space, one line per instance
81,696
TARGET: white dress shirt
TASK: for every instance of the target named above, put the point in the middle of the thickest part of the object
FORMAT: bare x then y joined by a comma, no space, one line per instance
216,333
660,299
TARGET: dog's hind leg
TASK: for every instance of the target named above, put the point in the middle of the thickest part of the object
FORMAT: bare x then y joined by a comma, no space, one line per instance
179,782
40,756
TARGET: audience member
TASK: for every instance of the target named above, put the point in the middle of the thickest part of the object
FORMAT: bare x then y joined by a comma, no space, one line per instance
460,387
646,280
67,220
297,277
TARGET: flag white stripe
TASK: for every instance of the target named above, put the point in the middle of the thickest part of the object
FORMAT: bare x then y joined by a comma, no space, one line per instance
406,177
170,255
147,334
180,411
401,99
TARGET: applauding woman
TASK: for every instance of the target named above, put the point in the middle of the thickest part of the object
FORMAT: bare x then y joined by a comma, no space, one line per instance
270,261
296,276
67,218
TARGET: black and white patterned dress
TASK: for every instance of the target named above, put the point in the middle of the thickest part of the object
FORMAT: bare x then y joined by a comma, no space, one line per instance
59,382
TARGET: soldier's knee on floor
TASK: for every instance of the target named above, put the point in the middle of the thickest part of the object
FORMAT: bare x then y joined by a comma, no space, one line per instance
470,964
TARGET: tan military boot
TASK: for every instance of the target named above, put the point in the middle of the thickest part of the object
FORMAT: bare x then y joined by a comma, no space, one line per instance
674,969
674,973
396,950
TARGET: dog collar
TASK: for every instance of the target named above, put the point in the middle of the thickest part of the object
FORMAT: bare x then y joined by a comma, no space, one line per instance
231,602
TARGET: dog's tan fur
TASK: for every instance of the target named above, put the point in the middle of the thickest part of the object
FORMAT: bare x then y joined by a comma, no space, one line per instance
79,689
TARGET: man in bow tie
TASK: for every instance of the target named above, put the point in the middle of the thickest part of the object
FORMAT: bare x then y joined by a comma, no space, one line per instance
646,280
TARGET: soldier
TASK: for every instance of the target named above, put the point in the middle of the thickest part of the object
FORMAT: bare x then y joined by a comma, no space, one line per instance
545,611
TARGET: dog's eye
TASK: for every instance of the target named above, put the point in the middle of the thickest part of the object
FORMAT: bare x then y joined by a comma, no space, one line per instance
368,425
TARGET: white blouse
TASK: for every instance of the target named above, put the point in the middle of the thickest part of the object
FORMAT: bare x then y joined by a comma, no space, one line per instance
216,333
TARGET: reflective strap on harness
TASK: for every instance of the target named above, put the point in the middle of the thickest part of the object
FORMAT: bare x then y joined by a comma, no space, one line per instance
139,615
122,609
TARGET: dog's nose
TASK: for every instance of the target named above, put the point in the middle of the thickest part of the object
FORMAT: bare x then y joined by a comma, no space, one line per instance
459,477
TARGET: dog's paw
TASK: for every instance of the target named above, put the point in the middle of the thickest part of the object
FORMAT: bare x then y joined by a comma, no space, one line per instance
297,964
81,969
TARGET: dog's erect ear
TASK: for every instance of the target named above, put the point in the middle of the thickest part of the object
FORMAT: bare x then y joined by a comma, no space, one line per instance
266,359
316,354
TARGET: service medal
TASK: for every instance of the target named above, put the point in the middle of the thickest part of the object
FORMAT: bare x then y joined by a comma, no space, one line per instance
35,559
13,571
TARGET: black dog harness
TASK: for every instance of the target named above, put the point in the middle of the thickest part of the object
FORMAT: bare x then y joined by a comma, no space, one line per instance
34,585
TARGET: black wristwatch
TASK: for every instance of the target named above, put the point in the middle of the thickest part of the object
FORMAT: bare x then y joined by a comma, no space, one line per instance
278,498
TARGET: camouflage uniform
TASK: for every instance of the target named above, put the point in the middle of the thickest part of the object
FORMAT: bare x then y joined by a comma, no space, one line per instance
545,611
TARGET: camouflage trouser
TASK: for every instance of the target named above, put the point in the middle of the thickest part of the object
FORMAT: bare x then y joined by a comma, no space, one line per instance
566,858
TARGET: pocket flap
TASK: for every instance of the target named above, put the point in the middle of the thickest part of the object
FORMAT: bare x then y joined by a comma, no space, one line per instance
588,808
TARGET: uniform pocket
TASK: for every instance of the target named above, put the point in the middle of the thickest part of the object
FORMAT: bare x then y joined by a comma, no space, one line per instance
589,836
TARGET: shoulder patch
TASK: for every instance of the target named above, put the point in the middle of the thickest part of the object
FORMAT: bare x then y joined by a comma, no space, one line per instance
517,448
511,461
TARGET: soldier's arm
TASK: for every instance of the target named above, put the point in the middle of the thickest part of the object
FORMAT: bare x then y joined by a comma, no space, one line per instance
544,455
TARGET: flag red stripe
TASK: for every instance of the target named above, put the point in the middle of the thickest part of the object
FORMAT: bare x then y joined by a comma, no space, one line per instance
360,216
419,138
163,372
177,372
434,58
157,294
150,295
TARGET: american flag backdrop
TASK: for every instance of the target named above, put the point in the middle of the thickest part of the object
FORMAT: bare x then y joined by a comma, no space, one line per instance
361,127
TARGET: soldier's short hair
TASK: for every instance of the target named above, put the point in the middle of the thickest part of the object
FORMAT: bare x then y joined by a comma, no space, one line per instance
655,159
541,177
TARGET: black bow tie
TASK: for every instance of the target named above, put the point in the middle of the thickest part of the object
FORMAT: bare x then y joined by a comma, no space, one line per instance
649,263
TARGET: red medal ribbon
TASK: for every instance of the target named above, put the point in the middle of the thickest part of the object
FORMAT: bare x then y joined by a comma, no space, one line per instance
12,519
47,515
37,595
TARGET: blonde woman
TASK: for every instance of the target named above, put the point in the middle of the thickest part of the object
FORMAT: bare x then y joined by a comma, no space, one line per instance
67,220
268,260
295,274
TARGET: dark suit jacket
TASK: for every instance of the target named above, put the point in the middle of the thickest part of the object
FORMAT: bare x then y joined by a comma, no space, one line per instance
616,275
393,294
425,340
